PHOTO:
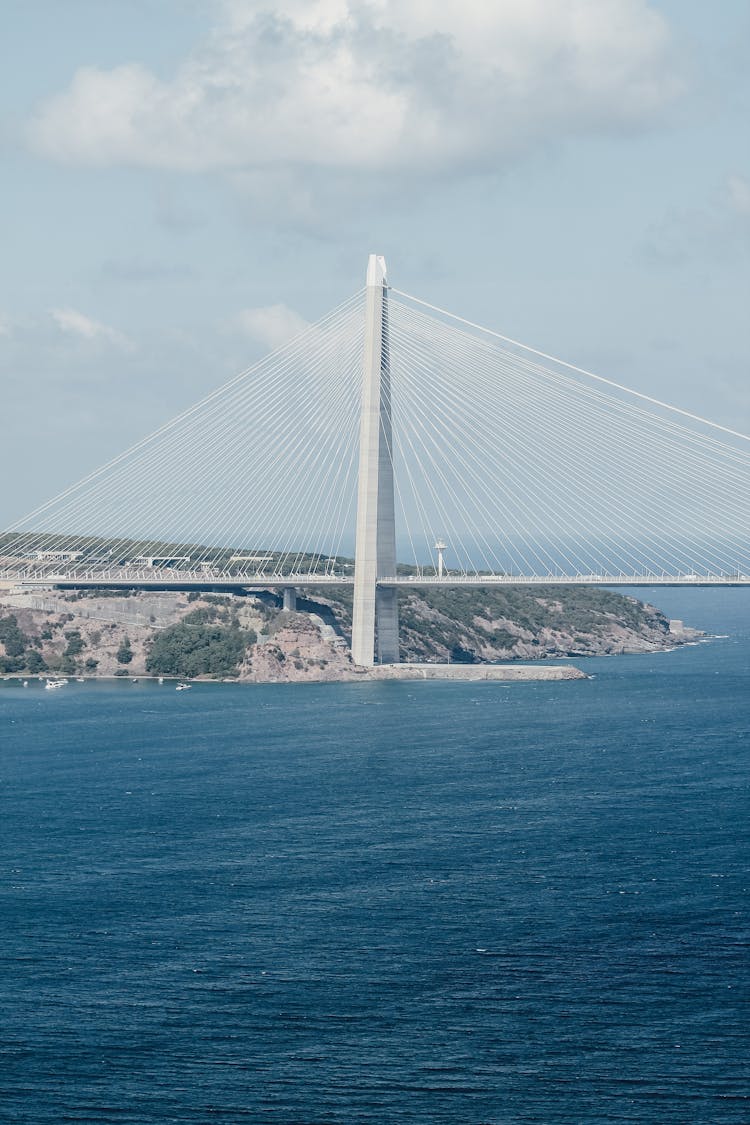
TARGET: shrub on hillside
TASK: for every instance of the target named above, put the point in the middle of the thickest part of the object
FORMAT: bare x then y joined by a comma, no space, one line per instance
189,650
13,639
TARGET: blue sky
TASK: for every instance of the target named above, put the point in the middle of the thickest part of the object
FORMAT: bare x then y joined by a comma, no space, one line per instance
185,183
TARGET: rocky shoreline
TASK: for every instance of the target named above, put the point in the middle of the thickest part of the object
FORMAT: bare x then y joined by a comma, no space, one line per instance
250,638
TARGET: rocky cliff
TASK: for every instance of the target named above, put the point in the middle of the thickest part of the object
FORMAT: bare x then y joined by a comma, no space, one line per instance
473,625
249,637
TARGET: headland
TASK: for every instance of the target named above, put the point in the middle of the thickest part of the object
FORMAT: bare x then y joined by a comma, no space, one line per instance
477,634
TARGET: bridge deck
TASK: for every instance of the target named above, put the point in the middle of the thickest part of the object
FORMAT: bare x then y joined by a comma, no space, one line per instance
161,579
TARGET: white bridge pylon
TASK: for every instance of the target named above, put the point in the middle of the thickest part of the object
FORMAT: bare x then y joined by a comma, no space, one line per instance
375,607
392,431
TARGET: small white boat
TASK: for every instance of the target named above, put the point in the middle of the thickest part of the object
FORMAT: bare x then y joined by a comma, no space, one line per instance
161,679
183,687
25,683
80,680
52,684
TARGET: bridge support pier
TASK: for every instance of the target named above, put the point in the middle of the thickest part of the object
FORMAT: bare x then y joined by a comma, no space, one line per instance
290,599
386,624
375,611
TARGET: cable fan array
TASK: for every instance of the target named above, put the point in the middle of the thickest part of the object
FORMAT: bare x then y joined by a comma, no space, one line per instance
523,465
264,468
536,468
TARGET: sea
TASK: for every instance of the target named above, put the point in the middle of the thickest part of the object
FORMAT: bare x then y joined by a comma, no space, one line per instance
386,902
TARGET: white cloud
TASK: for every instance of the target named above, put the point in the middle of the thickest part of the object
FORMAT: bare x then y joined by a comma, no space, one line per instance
739,194
271,325
385,85
74,323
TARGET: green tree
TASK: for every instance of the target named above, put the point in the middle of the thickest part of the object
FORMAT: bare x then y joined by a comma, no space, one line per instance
35,661
191,650
13,639
124,653
76,643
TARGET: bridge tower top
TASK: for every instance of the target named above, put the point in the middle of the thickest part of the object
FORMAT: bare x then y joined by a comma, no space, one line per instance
377,273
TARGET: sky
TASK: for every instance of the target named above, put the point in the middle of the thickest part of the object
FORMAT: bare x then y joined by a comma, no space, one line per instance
185,184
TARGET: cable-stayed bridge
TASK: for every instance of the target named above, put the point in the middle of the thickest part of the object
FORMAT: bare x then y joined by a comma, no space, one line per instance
393,444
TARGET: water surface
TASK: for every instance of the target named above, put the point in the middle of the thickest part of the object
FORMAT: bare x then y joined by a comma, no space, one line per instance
479,903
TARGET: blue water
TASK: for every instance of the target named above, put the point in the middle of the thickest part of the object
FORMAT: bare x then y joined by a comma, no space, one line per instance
383,903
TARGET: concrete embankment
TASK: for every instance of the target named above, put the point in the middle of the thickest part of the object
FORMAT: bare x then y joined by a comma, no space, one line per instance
475,672
466,673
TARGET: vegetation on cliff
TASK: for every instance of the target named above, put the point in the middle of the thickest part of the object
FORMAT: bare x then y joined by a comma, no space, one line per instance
18,652
472,625
207,642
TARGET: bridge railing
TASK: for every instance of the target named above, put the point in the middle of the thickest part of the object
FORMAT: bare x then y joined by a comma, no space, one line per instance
159,576
568,580
152,577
